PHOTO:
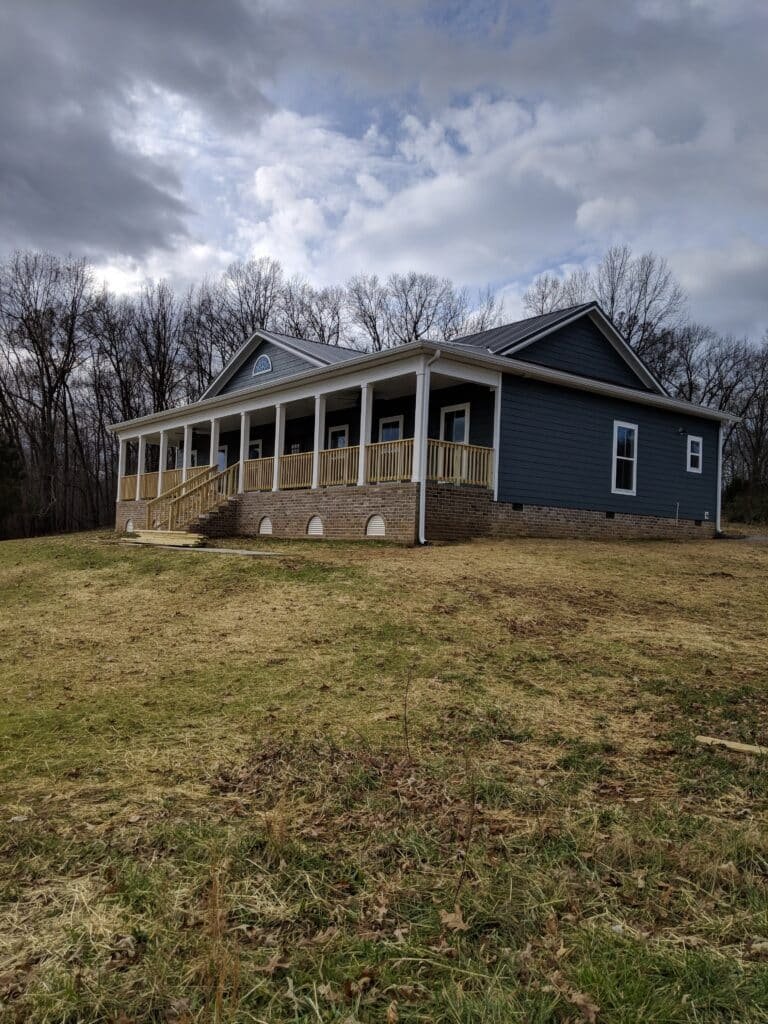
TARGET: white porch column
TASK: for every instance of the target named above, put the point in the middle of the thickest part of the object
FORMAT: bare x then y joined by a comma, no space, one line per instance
187,453
245,437
496,437
140,464
163,463
719,499
121,456
366,413
213,455
279,443
318,443
420,426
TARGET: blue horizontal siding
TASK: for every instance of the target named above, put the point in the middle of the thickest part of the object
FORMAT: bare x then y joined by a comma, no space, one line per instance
556,450
582,348
284,364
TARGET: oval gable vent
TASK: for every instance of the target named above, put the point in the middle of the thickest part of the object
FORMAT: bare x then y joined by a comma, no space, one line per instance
315,527
376,527
265,527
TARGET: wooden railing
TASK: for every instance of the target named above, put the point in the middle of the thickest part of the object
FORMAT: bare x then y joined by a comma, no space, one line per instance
172,478
389,461
295,471
158,509
339,466
202,497
259,474
148,486
459,463
127,488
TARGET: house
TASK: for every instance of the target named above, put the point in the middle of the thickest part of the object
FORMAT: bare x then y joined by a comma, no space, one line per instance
548,426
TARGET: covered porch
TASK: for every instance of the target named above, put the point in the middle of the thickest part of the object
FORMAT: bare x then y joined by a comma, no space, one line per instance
428,425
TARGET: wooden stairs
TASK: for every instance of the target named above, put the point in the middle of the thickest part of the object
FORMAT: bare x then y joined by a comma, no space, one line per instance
192,502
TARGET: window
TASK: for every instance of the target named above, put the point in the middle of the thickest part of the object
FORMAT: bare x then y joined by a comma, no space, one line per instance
695,453
338,437
255,448
193,457
391,428
624,478
221,457
454,423
262,364
295,448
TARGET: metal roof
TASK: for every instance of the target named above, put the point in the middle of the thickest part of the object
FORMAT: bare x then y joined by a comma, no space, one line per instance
315,349
499,339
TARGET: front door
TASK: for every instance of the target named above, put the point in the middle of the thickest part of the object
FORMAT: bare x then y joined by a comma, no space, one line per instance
221,458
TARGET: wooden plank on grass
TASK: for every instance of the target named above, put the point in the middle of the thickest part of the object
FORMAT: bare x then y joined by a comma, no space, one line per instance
741,748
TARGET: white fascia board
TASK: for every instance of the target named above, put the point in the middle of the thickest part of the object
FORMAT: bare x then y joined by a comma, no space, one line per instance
449,367
376,366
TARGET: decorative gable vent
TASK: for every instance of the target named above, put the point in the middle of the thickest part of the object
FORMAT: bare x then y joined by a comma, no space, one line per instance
375,527
315,527
263,364
265,527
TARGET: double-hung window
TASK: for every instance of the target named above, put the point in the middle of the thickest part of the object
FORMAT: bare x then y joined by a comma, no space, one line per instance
624,469
695,454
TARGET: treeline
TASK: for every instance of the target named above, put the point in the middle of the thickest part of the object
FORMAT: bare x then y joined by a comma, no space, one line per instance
75,357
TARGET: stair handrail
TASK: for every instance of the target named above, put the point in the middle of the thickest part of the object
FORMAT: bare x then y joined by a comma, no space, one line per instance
222,485
179,490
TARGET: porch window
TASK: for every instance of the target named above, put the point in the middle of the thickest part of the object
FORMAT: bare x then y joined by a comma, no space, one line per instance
695,453
338,437
193,457
255,448
295,448
624,474
391,428
454,423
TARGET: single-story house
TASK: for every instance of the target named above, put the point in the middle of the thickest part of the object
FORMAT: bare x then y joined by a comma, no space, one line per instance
548,426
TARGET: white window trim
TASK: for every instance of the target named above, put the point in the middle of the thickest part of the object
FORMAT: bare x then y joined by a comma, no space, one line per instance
253,443
620,490
267,368
689,467
333,430
400,420
463,406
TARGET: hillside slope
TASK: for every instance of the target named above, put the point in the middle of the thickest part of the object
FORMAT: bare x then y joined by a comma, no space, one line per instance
348,783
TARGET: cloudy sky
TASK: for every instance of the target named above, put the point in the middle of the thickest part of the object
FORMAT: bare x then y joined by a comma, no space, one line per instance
480,139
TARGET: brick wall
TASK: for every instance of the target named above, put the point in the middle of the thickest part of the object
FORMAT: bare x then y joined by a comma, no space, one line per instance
345,511
458,513
135,510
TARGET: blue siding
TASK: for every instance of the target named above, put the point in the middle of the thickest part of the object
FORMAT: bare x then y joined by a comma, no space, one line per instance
582,348
556,449
284,364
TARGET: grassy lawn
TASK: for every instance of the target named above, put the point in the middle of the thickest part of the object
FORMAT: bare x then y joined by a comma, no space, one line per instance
351,783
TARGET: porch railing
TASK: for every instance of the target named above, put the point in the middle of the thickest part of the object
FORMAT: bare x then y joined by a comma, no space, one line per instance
202,497
148,486
259,474
450,462
158,509
339,466
295,471
127,488
172,477
388,461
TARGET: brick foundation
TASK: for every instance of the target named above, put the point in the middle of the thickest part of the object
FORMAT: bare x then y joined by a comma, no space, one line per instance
452,513
345,511
134,510
458,513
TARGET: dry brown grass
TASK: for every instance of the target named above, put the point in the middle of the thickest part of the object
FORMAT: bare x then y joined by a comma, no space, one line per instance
209,811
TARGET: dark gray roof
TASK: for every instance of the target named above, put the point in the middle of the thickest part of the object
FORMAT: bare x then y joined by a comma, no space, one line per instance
499,339
317,350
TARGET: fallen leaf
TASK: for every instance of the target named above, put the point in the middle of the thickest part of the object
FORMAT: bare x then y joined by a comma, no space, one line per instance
454,921
392,1015
589,1010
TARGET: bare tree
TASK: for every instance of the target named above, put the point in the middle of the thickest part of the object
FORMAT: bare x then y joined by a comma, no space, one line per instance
367,302
158,329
